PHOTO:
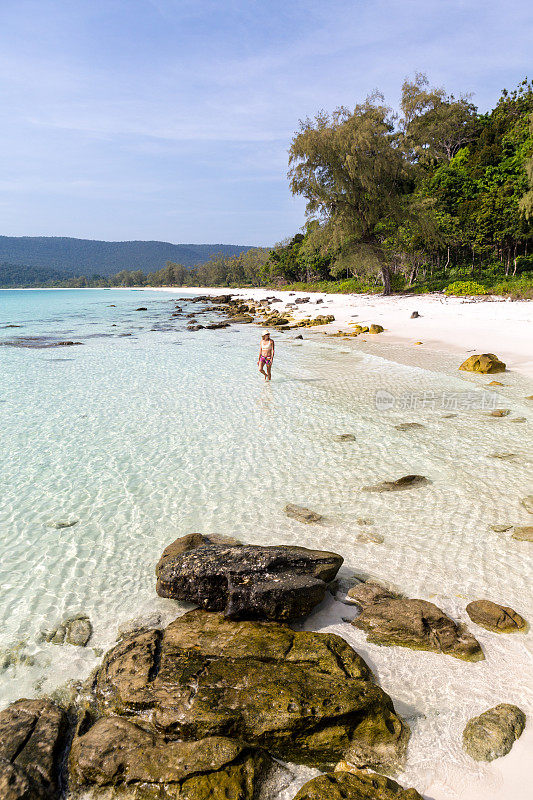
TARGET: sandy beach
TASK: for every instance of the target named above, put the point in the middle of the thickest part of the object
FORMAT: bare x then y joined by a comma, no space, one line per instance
453,324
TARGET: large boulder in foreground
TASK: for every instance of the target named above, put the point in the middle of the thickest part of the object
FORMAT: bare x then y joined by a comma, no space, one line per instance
390,619
493,733
486,363
116,753
32,739
302,696
500,619
355,785
246,581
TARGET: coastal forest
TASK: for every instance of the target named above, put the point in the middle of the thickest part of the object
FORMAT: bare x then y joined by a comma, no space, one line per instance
436,196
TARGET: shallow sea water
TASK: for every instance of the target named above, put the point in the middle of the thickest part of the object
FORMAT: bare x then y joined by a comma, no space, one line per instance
147,437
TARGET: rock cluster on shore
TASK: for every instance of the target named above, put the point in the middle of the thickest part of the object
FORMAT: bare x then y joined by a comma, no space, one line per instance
208,705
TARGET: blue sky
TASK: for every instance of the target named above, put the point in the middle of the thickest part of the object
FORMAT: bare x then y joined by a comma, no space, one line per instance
171,119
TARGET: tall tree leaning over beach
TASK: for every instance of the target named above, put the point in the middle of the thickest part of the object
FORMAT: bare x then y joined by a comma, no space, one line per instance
353,170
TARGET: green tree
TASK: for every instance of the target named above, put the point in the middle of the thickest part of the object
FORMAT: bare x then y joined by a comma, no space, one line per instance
354,175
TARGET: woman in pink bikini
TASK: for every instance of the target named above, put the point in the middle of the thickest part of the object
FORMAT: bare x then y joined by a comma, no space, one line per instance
266,356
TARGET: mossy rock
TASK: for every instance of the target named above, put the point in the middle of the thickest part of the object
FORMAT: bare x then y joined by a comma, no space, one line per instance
376,329
301,696
354,784
486,363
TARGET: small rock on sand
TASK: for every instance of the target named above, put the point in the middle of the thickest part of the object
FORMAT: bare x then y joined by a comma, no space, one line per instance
406,482
494,617
493,733
500,528
345,437
62,523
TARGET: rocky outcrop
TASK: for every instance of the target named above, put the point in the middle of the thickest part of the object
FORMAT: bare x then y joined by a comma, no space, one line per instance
407,482
494,617
390,619
304,697
32,738
493,733
354,784
246,581
302,513
486,363
117,753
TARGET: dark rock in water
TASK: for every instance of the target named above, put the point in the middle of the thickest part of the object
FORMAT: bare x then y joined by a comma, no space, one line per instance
242,318
32,738
354,784
12,326
415,315
116,753
214,325
299,336
38,342
221,298
76,630
141,308
407,482
408,426
390,619
194,327
189,542
494,617
301,696
302,513
345,437
247,581
493,733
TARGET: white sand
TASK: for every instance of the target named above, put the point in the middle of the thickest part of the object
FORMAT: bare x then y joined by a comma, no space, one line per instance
461,325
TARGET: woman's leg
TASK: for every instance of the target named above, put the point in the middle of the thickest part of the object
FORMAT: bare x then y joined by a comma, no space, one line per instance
261,368
269,370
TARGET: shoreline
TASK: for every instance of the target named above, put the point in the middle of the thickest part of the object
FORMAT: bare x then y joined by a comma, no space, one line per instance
456,325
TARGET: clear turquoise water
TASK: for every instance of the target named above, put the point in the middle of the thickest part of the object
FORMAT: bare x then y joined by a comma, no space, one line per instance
146,437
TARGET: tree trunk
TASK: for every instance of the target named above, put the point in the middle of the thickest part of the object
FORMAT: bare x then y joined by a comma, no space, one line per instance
385,277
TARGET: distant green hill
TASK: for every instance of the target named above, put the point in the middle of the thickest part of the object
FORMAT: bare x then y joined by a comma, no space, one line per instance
70,257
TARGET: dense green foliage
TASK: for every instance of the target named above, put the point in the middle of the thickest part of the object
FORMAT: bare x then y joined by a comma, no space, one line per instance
438,196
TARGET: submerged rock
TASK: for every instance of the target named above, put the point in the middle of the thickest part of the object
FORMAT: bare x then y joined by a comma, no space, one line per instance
523,533
494,617
486,363
499,412
389,619
116,753
527,502
302,513
215,325
493,733
407,482
500,528
302,696
345,437
76,630
32,738
247,581
353,784
62,523
408,426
